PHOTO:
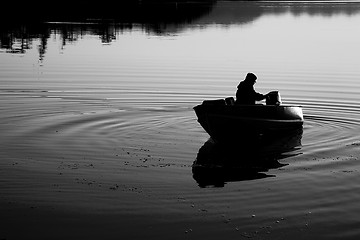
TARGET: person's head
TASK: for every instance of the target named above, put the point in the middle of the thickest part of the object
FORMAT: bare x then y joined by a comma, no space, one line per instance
251,78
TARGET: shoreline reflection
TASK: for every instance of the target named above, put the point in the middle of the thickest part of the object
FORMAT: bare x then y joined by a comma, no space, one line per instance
17,34
216,164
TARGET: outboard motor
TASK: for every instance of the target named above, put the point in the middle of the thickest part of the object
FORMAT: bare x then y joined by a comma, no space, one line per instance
273,98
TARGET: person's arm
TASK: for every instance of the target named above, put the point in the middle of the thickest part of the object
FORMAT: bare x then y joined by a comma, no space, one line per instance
259,96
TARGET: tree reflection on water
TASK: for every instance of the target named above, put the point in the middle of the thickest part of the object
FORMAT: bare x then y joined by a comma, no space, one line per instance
18,33
72,20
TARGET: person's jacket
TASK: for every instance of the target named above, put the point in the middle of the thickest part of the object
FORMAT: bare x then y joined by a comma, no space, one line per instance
246,94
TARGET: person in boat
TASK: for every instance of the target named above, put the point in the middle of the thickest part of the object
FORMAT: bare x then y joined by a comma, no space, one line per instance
246,93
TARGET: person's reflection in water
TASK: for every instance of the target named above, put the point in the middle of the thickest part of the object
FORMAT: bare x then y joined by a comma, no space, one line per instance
217,164
245,93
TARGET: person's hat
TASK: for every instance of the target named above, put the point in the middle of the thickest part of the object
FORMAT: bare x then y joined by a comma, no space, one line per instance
250,76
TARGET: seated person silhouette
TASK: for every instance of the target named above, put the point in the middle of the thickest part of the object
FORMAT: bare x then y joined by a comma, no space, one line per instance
245,93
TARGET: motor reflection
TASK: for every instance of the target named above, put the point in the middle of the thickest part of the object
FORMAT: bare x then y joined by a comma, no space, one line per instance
219,163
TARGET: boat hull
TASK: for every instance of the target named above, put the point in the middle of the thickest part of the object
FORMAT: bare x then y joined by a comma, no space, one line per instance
243,122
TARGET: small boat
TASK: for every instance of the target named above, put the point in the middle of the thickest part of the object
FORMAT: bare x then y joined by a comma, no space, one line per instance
226,121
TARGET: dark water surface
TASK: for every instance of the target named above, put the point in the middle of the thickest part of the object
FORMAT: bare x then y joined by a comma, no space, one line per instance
98,134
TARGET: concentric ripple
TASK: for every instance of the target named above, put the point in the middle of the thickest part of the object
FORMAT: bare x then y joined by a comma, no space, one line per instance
329,125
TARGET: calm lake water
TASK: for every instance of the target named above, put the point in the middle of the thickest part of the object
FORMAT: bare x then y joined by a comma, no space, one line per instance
97,121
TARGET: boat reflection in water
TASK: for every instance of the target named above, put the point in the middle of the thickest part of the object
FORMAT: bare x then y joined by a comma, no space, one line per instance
247,159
